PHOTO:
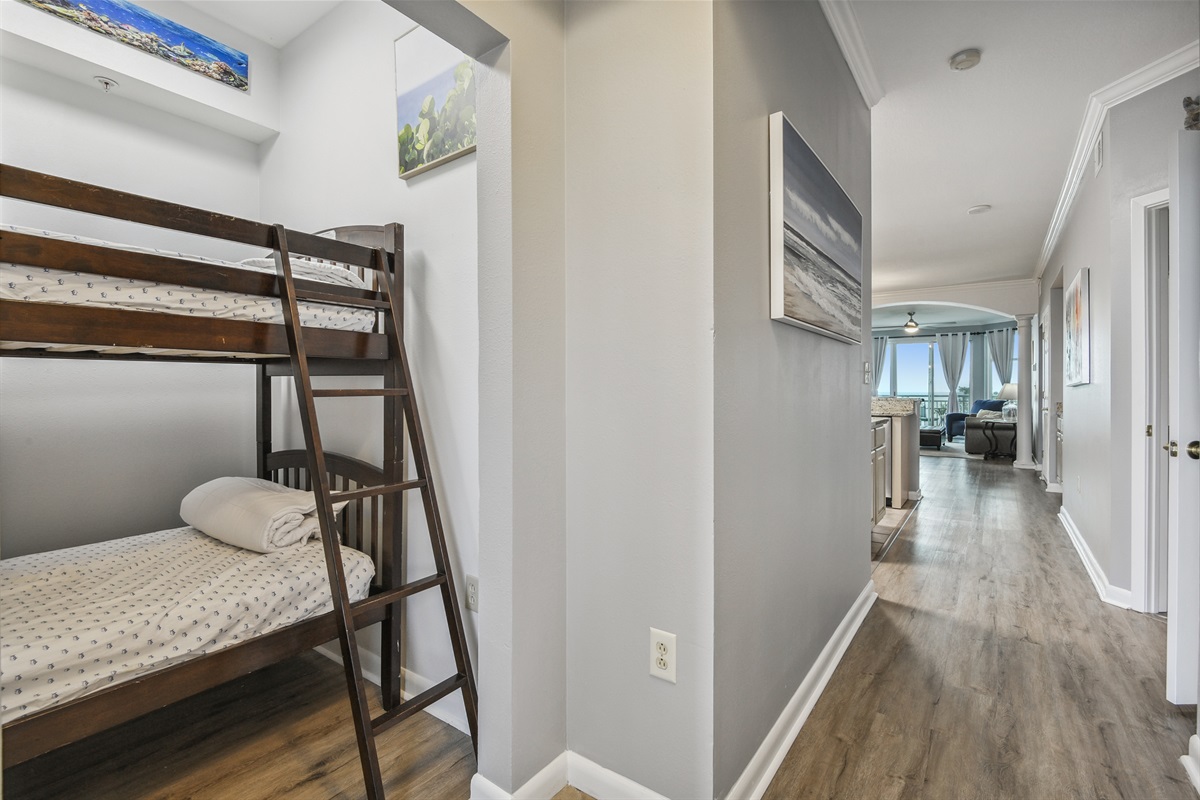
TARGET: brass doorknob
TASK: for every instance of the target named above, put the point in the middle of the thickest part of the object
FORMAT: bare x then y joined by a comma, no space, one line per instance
1193,449
1172,448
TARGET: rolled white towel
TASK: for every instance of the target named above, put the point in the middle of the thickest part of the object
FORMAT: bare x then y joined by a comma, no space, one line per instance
252,513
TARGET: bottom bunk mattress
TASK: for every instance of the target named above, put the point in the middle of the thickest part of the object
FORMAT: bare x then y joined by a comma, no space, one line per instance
80,619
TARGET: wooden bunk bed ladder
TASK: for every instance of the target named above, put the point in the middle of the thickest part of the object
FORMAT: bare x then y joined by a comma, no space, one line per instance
399,400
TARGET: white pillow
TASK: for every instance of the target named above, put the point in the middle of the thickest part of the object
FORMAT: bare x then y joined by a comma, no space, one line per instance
990,414
252,513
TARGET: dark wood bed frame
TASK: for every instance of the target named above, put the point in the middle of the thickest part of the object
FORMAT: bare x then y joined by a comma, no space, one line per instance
374,525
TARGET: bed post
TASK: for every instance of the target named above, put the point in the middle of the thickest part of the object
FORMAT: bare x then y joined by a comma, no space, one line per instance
262,405
391,644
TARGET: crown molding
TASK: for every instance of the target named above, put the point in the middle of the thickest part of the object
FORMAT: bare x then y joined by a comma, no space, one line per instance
849,36
906,294
1171,66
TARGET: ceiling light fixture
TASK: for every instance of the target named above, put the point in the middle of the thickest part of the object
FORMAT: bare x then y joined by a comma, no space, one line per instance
911,326
965,59
982,208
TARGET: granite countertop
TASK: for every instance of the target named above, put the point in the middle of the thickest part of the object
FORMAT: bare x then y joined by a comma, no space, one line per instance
894,406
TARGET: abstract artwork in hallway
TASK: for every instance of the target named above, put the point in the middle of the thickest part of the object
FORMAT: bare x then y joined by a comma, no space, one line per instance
1077,331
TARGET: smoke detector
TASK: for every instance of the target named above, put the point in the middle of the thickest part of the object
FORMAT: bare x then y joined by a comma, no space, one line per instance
965,59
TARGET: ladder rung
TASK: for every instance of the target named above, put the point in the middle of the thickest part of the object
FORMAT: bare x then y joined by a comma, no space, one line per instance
416,703
375,491
359,392
399,593
342,300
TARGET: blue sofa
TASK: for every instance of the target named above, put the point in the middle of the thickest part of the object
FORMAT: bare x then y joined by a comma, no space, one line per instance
956,421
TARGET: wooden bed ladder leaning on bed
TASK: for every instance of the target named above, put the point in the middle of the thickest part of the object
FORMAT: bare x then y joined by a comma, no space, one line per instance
397,393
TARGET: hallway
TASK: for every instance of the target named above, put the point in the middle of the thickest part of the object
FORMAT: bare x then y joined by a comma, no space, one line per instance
989,668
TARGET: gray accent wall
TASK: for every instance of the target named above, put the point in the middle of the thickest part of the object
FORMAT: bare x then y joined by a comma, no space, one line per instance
791,410
639,212
1097,416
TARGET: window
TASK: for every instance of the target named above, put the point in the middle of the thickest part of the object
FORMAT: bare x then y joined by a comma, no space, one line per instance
914,369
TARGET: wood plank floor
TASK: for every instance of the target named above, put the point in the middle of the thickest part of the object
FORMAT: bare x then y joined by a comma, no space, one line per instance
283,732
989,668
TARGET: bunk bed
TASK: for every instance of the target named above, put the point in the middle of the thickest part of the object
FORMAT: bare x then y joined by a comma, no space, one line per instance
291,321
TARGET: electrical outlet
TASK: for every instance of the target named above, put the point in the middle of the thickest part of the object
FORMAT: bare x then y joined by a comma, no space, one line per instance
472,593
662,655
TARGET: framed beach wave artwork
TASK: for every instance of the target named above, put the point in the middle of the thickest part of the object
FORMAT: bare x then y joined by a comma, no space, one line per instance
816,241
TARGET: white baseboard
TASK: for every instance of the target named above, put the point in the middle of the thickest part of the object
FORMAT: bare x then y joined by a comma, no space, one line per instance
603,784
567,768
1025,465
413,683
915,496
755,779
1054,488
1191,762
1114,595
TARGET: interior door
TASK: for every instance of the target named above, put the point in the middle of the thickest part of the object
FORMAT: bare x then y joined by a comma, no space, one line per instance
1183,478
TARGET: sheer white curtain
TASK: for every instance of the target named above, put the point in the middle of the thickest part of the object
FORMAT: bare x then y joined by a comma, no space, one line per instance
1000,343
878,353
952,348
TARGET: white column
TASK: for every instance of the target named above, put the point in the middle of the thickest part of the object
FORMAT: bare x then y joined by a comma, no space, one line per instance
1024,458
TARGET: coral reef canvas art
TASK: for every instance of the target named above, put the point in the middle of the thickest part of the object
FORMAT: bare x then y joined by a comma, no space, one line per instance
137,27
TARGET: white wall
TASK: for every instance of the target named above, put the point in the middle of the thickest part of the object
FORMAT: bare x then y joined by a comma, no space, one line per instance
91,451
639,202
792,468
336,164
1097,416
40,39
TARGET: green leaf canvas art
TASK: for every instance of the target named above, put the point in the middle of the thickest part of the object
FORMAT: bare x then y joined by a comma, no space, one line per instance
435,102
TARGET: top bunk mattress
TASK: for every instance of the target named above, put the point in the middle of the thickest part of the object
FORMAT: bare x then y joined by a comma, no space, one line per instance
69,287
80,619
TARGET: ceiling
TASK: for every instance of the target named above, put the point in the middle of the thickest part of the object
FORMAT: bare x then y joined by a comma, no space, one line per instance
1002,133
933,315
275,22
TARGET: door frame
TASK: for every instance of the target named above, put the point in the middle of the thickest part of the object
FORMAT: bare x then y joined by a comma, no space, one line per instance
1144,538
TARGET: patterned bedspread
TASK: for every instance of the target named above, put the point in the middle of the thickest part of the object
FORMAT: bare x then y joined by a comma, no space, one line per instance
79,619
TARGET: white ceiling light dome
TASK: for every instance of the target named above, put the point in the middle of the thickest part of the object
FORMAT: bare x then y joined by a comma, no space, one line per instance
982,208
965,59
